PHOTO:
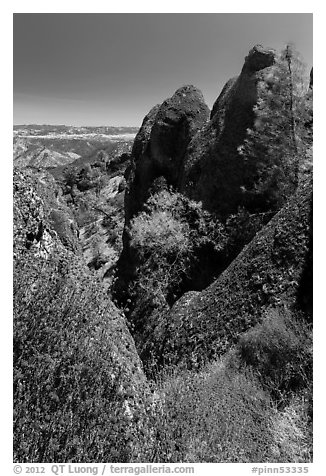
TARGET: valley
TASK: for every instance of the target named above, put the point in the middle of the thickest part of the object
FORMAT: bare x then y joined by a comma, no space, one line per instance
50,146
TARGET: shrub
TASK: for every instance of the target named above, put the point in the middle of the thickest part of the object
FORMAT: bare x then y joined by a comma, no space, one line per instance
84,178
292,430
113,223
217,415
70,178
204,227
165,239
223,414
279,349
163,246
159,233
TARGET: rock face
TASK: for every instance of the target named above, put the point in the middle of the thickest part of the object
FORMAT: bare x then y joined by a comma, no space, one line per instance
30,226
101,239
161,143
276,267
59,215
212,171
139,174
198,157
158,151
73,353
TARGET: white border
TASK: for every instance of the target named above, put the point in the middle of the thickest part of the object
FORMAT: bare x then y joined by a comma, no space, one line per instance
319,195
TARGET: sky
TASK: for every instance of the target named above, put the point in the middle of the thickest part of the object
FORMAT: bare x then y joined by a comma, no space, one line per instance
110,69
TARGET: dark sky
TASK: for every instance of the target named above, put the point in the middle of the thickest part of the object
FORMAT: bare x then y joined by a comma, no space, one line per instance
110,69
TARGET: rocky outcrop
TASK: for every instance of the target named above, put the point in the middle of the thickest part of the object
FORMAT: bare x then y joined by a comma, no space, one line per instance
212,170
275,268
158,153
59,216
198,157
30,227
161,143
66,229
79,387
101,239
140,173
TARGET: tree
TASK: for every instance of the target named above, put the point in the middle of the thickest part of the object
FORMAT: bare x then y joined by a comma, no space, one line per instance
277,148
70,177
167,241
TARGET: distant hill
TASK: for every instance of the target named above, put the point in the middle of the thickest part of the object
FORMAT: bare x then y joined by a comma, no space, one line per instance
46,129
46,146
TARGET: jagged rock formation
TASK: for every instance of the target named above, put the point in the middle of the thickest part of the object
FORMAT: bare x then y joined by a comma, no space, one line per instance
139,174
275,268
101,239
209,170
213,171
161,143
197,157
58,214
29,225
158,151
74,357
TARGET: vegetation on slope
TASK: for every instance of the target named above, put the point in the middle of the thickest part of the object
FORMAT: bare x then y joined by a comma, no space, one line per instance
224,414
268,272
170,240
79,390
